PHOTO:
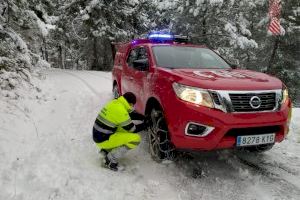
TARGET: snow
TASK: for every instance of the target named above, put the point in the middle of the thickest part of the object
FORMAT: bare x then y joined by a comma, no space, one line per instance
164,5
199,2
196,12
216,2
237,40
18,41
47,153
42,64
85,17
43,27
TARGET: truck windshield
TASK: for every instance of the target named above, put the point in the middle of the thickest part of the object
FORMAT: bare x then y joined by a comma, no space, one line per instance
188,57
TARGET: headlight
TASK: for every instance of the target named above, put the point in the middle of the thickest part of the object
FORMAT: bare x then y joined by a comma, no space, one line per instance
285,95
193,95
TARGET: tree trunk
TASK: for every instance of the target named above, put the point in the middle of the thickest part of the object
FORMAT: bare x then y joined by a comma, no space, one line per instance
61,57
8,10
46,50
108,55
95,65
204,32
204,28
65,55
272,58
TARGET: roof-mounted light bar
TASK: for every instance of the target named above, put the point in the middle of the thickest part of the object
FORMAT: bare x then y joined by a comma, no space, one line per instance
160,36
166,36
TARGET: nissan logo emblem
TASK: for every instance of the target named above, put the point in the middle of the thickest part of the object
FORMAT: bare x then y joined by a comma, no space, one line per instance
255,102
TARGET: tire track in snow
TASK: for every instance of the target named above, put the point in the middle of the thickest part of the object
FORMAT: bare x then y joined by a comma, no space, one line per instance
91,73
104,77
269,176
257,168
91,88
264,170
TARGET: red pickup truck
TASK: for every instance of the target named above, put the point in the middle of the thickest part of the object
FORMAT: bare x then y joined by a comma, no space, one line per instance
198,101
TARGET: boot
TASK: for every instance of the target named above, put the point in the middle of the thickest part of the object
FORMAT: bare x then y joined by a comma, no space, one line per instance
111,165
111,159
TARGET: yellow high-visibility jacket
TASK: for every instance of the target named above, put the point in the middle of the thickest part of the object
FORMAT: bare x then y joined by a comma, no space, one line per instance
116,116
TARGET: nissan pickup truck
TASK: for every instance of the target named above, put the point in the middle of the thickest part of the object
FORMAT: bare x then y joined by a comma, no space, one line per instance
196,100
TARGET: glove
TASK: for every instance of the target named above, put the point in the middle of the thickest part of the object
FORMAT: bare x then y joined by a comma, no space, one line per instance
144,126
136,116
140,127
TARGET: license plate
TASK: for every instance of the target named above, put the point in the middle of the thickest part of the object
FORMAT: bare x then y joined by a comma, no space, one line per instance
249,140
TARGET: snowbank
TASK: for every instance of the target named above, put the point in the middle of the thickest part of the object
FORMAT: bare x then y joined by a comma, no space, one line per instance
18,66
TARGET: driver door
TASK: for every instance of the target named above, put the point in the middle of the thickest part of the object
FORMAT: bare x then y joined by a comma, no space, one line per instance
135,75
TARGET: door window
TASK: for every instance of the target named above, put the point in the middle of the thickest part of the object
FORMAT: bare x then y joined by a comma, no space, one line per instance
142,53
137,54
132,57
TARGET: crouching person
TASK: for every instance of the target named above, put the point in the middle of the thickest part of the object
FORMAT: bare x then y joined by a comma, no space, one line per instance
114,132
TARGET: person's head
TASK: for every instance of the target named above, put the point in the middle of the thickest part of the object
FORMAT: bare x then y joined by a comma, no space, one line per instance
130,98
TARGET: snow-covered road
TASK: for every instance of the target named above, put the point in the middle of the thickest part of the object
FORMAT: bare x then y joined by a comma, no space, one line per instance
46,152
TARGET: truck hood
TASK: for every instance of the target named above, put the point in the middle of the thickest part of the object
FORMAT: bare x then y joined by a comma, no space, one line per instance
227,79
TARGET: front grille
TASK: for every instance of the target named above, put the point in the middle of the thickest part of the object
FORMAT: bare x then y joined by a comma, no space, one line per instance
241,101
253,131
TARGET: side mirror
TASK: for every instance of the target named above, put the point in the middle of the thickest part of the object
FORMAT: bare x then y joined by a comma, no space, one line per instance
234,66
141,64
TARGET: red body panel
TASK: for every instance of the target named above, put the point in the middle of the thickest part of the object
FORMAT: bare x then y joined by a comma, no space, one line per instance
222,122
157,83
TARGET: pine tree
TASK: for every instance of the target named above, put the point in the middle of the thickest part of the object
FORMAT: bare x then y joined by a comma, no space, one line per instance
21,35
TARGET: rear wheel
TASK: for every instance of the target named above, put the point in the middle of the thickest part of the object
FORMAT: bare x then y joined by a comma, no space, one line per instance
161,147
116,93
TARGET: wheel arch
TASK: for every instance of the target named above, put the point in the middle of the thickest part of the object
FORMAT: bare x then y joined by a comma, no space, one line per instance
115,83
152,103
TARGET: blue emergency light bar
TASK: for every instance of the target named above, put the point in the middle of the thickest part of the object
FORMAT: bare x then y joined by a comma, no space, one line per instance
166,37
161,36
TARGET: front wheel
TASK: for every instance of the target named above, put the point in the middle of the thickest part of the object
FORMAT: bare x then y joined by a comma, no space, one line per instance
161,147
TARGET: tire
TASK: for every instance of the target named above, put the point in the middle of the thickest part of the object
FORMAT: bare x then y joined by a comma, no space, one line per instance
160,146
115,91
259,148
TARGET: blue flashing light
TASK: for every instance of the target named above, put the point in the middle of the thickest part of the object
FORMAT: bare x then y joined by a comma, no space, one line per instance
160,36
134,42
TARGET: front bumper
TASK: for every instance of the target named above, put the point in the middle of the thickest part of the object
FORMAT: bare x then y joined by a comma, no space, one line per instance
225,125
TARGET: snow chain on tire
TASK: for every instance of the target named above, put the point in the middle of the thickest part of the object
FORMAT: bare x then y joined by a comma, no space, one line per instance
157,132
